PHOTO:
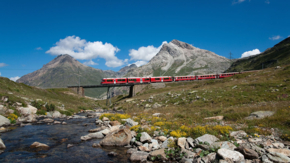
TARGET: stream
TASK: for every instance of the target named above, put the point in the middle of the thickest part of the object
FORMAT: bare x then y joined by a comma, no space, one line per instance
18,143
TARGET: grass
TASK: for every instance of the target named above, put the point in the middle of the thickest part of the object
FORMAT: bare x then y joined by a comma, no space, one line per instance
56,97
235,98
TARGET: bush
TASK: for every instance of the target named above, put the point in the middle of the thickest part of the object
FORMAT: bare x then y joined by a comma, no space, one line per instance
67,113
50,107
41,112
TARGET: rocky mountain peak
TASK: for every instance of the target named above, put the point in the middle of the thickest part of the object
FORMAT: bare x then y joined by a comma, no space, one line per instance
182,44
63,60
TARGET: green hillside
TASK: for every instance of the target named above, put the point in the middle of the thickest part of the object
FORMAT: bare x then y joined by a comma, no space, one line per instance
275,56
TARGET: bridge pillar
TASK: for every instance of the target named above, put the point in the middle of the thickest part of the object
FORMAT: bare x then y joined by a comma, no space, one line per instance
78,90
131,91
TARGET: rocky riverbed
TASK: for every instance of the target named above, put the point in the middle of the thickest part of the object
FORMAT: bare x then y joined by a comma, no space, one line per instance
63,140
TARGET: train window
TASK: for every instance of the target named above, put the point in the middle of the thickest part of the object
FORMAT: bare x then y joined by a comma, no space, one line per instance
166,78
109,80
146,79
157,78
121,79
132,79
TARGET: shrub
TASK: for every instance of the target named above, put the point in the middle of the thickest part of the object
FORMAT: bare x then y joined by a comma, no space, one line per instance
41,112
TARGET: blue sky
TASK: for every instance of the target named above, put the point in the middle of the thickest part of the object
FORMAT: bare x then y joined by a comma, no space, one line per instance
111,34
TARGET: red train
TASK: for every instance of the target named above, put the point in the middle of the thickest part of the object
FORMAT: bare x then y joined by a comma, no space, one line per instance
165,78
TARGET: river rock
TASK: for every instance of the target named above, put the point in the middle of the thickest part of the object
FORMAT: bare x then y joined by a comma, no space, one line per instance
2,145
114,123
209,158
224,144
255,140
94,115
229,154
39,146
206,138
278,157
119,138
4,121
57,122
139,156
56,114
112,154
131,150
99,122
28,118
156,105
260,115
284,151
130,122
248,153
278,145
145,137
25,111
4,98
188,153
158,152
187,160
70,145
97,135
145,147
64,123
47,120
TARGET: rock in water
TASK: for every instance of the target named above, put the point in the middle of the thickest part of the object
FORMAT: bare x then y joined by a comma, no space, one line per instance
229,154
119,138
39,146
2,145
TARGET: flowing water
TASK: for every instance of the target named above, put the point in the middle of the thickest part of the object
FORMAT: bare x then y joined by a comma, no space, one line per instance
18,143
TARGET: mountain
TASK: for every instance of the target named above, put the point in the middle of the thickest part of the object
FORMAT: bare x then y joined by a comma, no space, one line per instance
277,55
64,70
180,58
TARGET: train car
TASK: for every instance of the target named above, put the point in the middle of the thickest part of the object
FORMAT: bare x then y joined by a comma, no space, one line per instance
208,76
114,81
184,78
134,80
121,80
161,79
145,79
225,75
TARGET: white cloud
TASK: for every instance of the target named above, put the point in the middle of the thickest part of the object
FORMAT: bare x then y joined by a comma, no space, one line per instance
15,78
140,63
275,37
238,1
90,62
249,53
0,73
38,48
289,36
145,53
267,1
86,50
3,64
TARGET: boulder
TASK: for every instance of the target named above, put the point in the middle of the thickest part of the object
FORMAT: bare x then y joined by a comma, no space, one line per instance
219,118
25,111
278,145
224,144
99,122
47,120
64,123
166,142
206,138
182,143
158,152
238,134
28,118
112,154
155,144
94,114
145,147
209,158
162,138
248,153
139,156
4,121
145,137
278,157
2,145
265,159
56,114
105,119
189,154
119,138
39,146
97,135
114,123
229,154
57,122
130,122
131,150
284,151
190,141
260,115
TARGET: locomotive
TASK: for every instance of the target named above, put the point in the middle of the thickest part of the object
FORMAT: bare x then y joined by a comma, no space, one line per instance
161,79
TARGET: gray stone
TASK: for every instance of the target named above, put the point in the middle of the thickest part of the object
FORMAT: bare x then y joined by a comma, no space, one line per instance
105,119
2,145
119,138
189,154
145,137
190,141
261,151
209,158
145,147
162,138
57,122
260,114
131,150
277,157
265,159
224,144
156,114
165,143
248,153
159,152
186,160
130,122
155,144
156,105
229,154
97,135
182,143
139,156
39,146
219,118
284,151
238,134
25,111
47,120
278,145
4,121
255,140
99,122
206,138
